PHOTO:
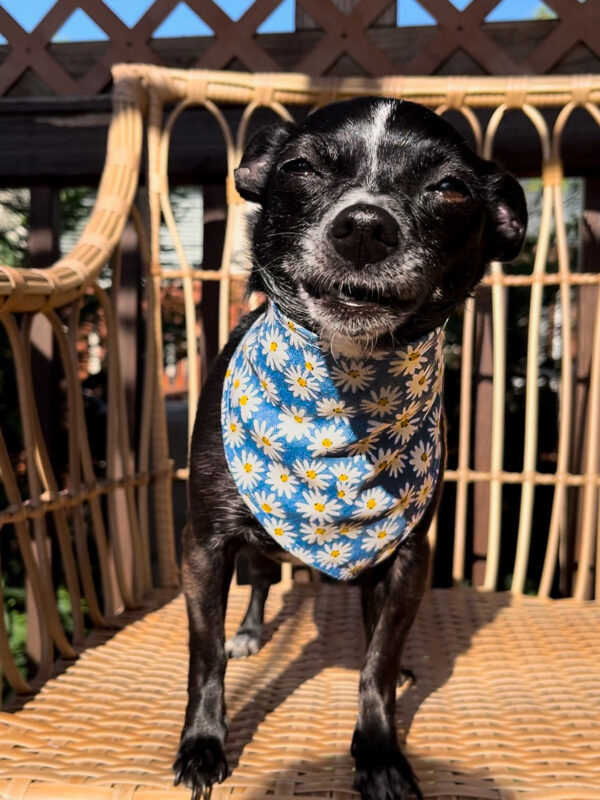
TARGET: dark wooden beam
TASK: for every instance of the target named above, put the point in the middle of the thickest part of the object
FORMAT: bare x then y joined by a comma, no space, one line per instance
63,141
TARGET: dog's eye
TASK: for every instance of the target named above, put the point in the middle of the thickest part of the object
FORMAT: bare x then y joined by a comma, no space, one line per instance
298,166
452,190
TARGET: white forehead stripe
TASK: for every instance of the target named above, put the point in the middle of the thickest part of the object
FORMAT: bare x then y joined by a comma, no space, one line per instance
375,134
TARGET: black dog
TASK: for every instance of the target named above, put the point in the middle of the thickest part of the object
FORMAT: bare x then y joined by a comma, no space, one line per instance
376,221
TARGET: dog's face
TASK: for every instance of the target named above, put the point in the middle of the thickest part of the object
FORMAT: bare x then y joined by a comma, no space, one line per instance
376,219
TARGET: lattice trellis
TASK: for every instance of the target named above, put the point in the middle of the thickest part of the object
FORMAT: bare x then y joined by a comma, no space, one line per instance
343,34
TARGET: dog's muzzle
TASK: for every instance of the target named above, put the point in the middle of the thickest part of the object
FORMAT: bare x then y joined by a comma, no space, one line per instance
364,234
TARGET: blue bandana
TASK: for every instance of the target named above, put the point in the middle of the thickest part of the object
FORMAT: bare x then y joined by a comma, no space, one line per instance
336,457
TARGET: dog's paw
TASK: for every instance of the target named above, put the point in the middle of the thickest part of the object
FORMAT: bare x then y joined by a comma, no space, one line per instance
244,643
200,763
383,773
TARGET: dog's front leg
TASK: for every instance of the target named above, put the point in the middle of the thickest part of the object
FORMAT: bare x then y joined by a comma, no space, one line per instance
207,570
390,601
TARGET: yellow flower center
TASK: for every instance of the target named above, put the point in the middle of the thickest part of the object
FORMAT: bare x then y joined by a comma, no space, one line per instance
326,442
344,477
302,381
264,385
382,534
371,503
354,373
413,356
310,473
383,401
320,531
247,467
423,457
266,441
233,427
291,326
266,507
298,419
243,399
278,531
273,346
338,410
228,374
382,465
319,507
309,366
335,553
236,383
283,477
341,493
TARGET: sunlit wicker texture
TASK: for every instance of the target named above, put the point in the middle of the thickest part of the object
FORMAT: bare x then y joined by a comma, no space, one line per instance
142,90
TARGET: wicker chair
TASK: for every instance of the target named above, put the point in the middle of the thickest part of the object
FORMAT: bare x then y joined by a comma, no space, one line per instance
507,698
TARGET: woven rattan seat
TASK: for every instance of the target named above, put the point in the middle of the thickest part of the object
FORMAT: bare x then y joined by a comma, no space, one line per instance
505,704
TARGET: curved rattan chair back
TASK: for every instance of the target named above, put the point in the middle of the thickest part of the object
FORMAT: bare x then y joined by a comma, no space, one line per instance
112,550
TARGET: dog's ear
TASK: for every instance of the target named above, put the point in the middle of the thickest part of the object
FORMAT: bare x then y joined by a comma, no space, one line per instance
507,218
253,171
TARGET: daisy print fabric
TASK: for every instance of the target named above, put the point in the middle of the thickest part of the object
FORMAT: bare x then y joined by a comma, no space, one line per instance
336,457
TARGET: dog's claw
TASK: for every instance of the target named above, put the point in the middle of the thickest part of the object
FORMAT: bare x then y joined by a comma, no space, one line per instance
201,793
199,764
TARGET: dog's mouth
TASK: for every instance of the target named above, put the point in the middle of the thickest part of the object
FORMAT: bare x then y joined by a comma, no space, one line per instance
355,298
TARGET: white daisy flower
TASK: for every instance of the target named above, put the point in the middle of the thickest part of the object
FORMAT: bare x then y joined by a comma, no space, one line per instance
239,381
424,492
386,460
420,457
314,473
397,463
419,383
435,425
248,403
371,503
383,401
266,438
410,359
301,383
349,529
275,348
334,554
317,533
405,424
354,568
347,494
305,554
247,468
281,532
280,479
379,536
318,507
294,423
404,500
314,365
268,502
268,385
331,408
294,336
233,432
327,440
346,472
352,375
363,447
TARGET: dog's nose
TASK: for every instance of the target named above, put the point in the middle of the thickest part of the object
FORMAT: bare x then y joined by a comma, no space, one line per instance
364,234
